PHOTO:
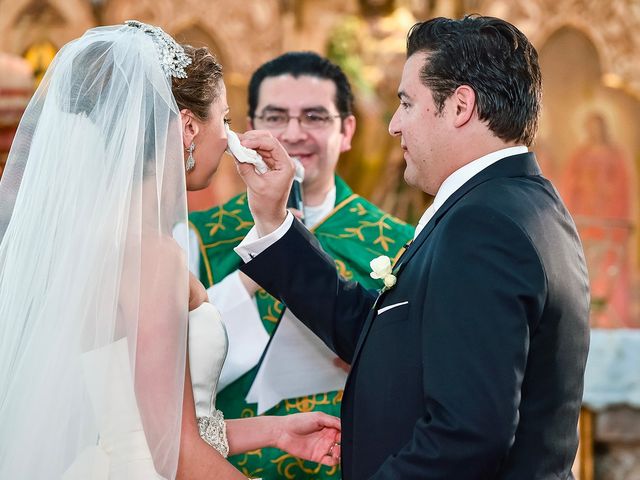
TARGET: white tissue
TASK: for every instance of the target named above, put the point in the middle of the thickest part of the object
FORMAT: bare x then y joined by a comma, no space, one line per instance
244,154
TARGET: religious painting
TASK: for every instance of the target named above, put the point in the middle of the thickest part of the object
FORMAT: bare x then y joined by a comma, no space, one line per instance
587,144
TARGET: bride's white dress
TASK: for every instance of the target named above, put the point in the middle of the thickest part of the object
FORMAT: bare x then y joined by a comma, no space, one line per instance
122,452
208,345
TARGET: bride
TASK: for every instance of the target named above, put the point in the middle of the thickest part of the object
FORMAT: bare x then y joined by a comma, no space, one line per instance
102,331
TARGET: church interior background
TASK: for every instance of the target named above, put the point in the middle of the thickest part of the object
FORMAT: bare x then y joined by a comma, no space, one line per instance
588,143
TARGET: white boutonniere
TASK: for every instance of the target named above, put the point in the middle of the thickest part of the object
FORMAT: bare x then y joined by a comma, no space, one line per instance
381,269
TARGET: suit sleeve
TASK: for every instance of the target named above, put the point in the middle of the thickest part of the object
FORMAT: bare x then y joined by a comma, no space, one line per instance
296,270
484,295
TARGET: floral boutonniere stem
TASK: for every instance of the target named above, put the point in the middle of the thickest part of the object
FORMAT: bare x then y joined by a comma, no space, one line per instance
381,269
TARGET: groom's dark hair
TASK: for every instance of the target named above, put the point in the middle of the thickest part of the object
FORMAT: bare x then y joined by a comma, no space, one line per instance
298,64
491,56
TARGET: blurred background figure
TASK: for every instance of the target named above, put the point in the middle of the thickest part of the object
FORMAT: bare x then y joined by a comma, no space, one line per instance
603,219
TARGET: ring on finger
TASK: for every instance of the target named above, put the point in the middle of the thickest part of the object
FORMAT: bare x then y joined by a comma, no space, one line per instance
335,444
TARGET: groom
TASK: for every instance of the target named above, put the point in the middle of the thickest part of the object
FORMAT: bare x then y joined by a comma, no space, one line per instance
482,341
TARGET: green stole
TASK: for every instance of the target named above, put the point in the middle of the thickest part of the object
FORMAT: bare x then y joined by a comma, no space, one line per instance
354,233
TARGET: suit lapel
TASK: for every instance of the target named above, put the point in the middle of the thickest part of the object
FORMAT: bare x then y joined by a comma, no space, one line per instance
513,166
408,253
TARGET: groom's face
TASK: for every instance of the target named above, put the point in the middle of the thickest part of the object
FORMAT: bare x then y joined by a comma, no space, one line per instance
424,131
318,147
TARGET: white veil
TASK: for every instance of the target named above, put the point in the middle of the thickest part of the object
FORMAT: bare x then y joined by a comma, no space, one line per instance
93,187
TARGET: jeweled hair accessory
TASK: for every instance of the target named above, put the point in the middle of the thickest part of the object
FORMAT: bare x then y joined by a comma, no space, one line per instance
173,60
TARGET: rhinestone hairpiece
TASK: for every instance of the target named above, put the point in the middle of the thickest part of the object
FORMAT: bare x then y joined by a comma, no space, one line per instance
172,58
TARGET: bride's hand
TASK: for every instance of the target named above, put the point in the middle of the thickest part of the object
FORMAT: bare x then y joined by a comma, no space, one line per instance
197,293
312,436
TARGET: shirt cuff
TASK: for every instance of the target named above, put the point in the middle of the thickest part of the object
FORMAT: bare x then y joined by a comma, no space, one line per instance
253,245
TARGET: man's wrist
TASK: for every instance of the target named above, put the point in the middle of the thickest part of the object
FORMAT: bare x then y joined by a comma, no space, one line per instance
267,226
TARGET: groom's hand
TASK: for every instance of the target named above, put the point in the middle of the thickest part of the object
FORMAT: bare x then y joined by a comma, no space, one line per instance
267,193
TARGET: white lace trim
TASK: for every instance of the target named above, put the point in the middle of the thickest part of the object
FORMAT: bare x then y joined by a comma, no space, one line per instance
213,430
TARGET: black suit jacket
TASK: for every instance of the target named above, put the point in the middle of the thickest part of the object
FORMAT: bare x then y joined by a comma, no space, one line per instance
471,366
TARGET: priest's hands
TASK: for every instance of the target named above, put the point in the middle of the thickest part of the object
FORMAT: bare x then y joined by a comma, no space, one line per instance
267,193
312,436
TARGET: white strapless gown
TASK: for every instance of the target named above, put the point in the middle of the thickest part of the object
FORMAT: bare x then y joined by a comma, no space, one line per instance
208,346
122,452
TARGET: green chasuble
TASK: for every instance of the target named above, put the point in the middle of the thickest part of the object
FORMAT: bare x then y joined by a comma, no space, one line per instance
354,233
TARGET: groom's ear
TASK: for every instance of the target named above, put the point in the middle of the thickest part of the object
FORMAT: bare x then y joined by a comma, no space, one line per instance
464,102
190,126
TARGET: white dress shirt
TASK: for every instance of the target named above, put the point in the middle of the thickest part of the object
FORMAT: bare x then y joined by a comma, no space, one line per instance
313,215
461,176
